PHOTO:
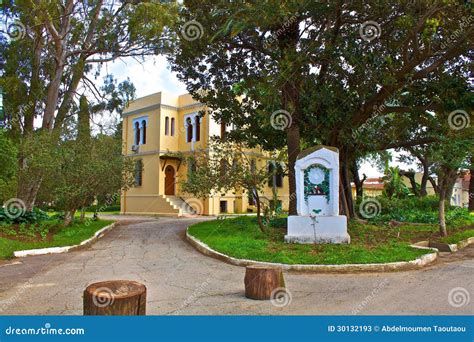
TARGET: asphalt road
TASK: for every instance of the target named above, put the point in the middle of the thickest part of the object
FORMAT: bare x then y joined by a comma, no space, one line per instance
180,280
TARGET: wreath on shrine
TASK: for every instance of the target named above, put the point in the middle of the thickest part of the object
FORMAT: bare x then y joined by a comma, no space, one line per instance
316,182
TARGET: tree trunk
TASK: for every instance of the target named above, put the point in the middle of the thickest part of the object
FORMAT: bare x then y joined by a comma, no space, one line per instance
471,185
69,217
424,180
262,282
259,212
346,183
28,188
434,185
411,177
441,214
83,214
290,96
359,183
115,298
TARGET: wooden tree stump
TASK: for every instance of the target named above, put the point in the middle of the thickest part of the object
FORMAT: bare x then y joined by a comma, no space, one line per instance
261,281
115,298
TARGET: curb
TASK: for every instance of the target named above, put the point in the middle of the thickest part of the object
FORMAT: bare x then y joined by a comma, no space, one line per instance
461,244
445,247
55,250
344,268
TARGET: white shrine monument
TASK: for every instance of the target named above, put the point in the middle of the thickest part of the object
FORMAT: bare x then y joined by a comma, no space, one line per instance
317,199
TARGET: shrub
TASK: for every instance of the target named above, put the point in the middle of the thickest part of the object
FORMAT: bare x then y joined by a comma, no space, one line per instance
418,209
34,216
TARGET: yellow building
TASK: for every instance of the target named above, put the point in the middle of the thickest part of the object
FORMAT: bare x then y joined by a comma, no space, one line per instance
155,128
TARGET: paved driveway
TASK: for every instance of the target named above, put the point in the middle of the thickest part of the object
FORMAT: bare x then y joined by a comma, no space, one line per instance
182,281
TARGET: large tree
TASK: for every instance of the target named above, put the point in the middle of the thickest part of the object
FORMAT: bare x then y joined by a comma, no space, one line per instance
58,46
314,71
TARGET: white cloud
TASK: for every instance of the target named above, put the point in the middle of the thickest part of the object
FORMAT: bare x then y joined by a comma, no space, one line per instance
151,76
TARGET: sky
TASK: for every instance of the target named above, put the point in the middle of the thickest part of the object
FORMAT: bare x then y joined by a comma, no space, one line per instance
154,75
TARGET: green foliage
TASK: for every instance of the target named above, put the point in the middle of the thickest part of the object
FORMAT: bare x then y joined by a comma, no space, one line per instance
419,210
241,238
8,169
34,216
394,185
58,236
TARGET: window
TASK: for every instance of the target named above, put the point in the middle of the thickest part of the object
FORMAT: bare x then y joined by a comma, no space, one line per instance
275,175
198,127
137,133
167,124
189,130
143,132
224,167
139,129
279,176
271,175
138,173
223,206
172,127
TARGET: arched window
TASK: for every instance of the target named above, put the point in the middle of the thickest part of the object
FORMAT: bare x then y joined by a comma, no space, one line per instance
198,128
189,129
172,127
167,125
137,133
143,132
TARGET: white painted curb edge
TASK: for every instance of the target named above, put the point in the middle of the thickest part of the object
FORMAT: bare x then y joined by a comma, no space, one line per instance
461,244
55,250
383,267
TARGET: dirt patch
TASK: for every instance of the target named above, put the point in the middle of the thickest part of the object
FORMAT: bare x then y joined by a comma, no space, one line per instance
30,233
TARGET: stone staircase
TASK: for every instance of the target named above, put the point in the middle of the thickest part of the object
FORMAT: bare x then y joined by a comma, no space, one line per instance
184,209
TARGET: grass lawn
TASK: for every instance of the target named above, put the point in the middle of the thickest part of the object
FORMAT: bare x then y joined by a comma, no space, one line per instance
62,236
241,238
